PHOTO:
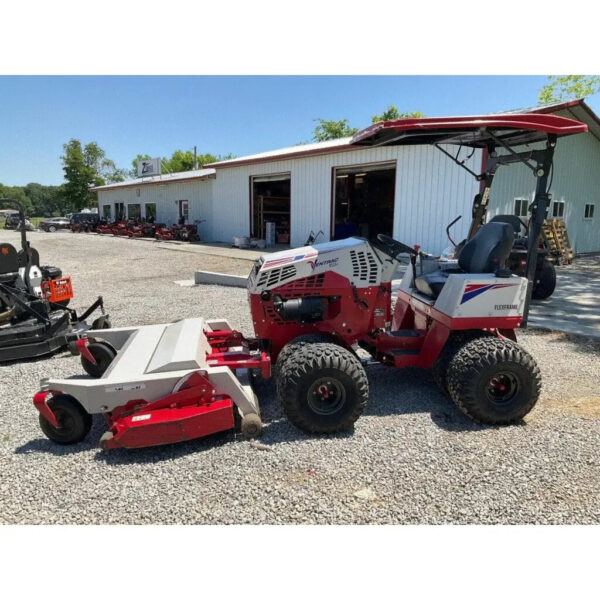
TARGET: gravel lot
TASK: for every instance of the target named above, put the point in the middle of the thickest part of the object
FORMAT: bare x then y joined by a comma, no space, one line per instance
413,458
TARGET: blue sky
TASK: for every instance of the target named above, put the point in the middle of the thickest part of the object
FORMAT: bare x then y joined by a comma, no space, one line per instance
242,115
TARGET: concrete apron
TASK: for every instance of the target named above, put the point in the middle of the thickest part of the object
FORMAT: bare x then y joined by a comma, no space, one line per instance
574,307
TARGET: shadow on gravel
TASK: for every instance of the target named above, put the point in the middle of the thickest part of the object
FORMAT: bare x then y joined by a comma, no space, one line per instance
392,392
409,391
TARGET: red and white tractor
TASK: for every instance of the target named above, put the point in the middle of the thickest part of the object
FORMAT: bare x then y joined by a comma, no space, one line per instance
312,307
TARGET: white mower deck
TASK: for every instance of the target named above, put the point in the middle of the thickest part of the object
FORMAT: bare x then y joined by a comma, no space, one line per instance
152,364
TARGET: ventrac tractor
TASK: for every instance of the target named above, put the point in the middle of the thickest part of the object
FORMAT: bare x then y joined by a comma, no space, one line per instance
313,308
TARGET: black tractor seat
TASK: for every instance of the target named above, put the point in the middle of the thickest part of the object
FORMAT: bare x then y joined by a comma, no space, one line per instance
486,252
9,263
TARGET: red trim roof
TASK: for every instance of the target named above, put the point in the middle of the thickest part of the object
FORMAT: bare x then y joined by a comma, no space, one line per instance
468,131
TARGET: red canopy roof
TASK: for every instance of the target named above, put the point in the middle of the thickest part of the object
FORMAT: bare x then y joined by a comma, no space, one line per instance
468,131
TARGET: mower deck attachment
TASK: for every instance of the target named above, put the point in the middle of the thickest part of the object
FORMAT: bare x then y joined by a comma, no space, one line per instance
157,384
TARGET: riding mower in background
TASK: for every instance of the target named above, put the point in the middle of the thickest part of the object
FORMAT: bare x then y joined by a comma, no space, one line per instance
544,281
34,318
312,307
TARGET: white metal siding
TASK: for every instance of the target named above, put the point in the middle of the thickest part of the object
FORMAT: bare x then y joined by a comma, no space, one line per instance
576,182
165,196
430,192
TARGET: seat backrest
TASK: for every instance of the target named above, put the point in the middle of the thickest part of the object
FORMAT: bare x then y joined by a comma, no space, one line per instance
512,220
9,259
488,249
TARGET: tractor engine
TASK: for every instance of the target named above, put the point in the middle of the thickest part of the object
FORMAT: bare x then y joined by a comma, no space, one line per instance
341,289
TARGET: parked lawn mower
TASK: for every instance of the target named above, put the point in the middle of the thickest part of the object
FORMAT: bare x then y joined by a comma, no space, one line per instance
313,306
34,318
544,281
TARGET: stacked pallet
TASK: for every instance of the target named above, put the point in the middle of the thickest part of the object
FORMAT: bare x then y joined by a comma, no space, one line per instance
556,238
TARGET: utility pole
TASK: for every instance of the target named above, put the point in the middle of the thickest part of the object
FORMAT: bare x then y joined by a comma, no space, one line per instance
195,159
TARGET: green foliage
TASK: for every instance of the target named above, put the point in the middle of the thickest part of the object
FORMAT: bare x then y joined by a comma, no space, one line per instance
46,200
180,160
392,112
84,167
568,87
184,161
332,130
16,193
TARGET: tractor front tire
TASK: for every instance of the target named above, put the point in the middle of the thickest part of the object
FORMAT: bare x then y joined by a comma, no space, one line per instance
293,346
544,286
74,422
324,389
494,381
103,355
456,340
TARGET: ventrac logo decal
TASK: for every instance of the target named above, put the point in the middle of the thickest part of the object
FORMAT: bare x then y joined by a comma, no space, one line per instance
330,263
474,289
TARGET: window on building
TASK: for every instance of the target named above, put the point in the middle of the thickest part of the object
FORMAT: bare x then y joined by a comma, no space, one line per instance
150,212
106,212
589,211
521,205
134,212
558,209
119,211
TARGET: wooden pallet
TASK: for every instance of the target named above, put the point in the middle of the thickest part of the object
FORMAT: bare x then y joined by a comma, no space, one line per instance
556,238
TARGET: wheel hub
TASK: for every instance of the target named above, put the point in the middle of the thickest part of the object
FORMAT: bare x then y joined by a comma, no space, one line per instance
326,396
502,388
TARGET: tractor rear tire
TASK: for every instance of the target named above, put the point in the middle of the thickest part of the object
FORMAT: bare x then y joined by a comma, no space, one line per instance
456,340
494,381
324,389
74,422
103,355
544,286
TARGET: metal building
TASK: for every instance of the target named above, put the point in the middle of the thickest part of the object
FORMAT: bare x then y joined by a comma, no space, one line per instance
164,198
409,192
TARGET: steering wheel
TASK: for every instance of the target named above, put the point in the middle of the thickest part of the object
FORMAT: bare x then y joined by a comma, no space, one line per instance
392,247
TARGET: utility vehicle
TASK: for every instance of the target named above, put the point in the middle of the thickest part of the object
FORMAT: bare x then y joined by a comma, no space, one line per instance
313,306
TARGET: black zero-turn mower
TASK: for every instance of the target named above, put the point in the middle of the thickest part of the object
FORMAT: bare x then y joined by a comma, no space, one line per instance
34,317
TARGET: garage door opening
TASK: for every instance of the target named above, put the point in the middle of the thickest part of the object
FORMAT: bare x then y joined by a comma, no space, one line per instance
364,201
271,202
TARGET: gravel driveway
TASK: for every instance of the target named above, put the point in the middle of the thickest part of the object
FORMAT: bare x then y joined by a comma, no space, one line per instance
413,458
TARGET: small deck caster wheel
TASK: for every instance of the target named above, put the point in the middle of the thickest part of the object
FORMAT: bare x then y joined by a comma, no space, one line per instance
74,422
107,436
103,355
102,322
251,426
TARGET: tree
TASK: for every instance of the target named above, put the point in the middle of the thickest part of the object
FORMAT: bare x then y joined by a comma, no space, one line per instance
85,167
332,130
184,161
180,160
46,200
568,87
16,193
392,112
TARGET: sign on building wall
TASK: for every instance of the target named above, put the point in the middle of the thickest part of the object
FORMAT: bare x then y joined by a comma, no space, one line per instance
149,167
